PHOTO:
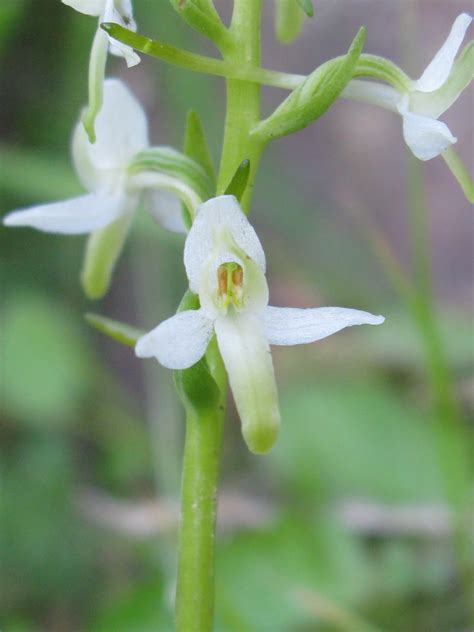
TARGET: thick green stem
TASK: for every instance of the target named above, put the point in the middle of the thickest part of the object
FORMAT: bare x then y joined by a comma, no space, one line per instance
195,587
195,590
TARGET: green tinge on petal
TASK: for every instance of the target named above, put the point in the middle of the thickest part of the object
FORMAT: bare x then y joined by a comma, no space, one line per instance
121,332
248,362
435,103
102,251
289,19
97,63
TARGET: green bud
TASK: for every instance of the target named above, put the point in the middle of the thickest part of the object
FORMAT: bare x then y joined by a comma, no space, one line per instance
314,96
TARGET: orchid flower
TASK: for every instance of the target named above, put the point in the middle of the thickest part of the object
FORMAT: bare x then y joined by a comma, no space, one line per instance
225,265
422,102
110,170
120,12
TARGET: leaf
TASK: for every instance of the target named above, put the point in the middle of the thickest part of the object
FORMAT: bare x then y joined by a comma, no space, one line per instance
196,145
238,184
307,6
121,332
310,100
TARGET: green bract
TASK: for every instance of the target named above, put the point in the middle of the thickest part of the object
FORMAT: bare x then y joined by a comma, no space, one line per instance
314,96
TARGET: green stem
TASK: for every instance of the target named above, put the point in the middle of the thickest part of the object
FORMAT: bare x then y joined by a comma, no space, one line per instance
195,587
243,99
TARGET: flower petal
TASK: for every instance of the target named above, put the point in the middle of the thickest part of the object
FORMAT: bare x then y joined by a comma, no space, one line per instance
216,214
121,13
438,70
122,131
89,7
425,136
435,103
77,215
290,326
178,342
166,208
248,362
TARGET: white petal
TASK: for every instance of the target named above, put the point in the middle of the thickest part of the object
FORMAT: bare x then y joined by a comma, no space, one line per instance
121,13
438,70
290,326
166,208
248,362
89,7
77,215
425,136
122,131
178,342
214,215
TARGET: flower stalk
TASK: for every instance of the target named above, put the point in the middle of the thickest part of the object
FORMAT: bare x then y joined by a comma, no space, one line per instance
195,584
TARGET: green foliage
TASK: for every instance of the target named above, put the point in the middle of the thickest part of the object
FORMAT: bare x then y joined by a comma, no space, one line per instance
314,96
40,395
307,6
196,145
335,435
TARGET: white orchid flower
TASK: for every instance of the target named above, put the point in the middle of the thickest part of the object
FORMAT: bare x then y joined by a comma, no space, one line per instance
225,265
119,12
114,192
423,101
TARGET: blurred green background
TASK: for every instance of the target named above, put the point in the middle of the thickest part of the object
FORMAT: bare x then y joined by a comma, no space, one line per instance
346,525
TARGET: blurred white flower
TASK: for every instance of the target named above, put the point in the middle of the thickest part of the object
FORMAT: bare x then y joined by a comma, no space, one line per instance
102,167
115,191
426,99
225,265
120,12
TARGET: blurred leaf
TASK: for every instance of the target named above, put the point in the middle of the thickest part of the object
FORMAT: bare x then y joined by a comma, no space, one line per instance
46,364
35,176
196,145
142,609
356,439
121,332
307,6
11,12
260,573
45,549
